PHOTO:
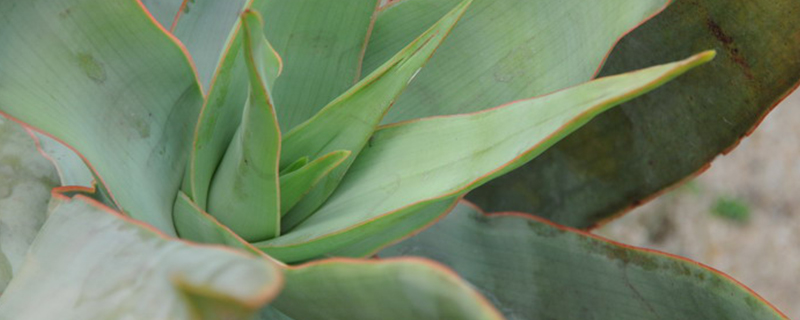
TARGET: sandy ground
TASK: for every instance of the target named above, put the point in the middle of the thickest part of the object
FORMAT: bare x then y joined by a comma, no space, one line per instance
763,176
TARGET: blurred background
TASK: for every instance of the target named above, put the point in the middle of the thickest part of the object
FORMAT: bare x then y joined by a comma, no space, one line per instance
740,217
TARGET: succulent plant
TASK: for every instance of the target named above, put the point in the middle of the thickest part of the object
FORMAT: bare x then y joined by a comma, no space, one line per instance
274,159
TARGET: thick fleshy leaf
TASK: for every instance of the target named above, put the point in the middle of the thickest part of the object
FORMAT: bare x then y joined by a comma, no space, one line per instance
219,120
194,224
222,112
109,81
322,42
533,269
348,122
245,192
386,289
205,28
25,182
75,176
72,171
412,222
629,155
299,163
504,50
297,183
416,163
164,11
270,313
88,262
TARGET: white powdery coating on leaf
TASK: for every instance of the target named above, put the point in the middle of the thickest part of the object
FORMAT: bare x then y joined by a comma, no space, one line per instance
26,179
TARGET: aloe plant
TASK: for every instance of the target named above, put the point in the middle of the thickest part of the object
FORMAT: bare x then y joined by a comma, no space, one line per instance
267,159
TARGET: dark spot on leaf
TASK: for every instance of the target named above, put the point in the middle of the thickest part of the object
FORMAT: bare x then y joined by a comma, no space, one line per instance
730,47
92,68
65,13
543,229
718,32
621,254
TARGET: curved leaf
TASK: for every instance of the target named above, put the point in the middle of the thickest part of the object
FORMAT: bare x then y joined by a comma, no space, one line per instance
110,82
388,289
163,11
348,122
299,181
88,262
72,171
395,230
219,119
504,50
297,164
533,269
194,224
74,174
416,163
322,43
245,192
628,156
25,182
205,27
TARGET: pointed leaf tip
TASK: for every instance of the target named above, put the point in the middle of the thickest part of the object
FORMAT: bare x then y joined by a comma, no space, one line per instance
245,190
440,158
348,122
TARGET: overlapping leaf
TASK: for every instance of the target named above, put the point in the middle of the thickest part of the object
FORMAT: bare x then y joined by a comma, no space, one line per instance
322,42
205,27
72,171
413,164
348,122
388,289
629,155
164,11
245,192
297,183
110,82
194,224
504,50
90,263
533,269
25,182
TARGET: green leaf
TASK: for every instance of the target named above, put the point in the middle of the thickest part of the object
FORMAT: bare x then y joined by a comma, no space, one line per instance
205,28
222,113
74,174
219,120
245,192
72,171
89,262
270,313
504,50
299,163
322,42
194,224
413,164
348,122
387,289
297,183
109,82
397,229
25,182
163,11
534,269
629,155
